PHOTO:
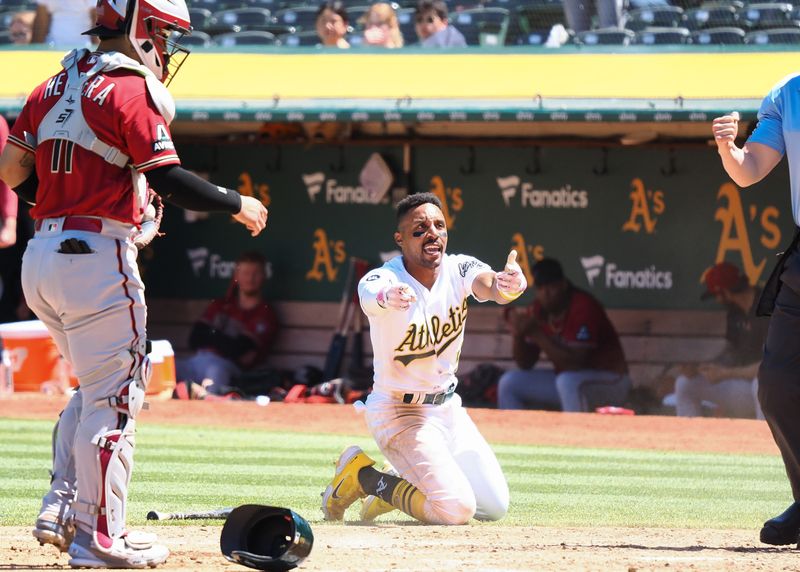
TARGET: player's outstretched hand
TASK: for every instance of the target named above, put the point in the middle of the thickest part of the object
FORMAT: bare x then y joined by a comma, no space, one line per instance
253,215
511,282
397,297
725,129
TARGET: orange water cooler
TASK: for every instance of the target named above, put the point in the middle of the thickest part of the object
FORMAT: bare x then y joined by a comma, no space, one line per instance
37,365
35,361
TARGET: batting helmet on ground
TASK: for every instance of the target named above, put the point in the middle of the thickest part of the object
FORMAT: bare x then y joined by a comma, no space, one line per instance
266,537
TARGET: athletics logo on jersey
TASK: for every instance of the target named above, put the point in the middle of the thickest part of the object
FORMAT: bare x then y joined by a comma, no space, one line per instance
437,334
163,141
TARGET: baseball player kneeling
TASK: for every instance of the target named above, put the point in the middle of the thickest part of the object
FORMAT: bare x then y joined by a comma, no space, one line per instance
444,471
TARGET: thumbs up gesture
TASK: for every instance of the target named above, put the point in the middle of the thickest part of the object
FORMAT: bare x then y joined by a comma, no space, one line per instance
511,281
725,129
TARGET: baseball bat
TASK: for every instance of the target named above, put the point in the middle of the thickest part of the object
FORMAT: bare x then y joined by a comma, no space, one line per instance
200,515
333,359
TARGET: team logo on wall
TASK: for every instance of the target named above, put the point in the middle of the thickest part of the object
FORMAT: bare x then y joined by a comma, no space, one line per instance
324,189
517,192
605,274
451,198
646,205
738,225
329,255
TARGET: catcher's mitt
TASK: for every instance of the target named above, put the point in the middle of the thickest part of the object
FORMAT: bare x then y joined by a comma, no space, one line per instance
151,220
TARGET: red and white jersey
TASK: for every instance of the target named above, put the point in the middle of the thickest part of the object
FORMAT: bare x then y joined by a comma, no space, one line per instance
418,350
73,180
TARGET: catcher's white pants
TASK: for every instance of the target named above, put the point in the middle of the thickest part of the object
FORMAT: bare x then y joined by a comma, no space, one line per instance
439,450
93,306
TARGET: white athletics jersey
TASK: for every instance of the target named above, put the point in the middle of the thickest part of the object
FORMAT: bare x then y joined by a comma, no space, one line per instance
418,350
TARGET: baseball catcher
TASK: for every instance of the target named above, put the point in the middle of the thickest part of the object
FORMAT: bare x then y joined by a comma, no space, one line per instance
86,146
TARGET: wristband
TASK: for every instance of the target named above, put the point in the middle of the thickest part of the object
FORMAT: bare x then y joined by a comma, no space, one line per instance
509,297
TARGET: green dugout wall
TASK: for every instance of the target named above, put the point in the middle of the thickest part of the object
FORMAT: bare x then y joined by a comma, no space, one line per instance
635,226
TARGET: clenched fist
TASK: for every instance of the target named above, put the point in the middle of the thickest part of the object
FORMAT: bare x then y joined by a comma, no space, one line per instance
725,129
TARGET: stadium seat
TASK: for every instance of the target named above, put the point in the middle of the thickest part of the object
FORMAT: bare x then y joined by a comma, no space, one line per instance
298,39
712,17
482,26
252,38
605,37
240,20
662,36
270,5
299,17
773,36
537,15
17,5
535,38
217,5
767,15
197,39
5,38
5,19
355,13
657,16
200,18
718,36
405,18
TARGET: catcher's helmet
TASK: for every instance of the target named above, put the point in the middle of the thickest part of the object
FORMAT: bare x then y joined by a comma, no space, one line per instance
154,28
266,537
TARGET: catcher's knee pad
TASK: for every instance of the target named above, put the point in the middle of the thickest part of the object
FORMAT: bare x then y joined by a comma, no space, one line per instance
113,463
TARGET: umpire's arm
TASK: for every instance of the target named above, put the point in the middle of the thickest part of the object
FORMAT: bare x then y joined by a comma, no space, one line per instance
753,161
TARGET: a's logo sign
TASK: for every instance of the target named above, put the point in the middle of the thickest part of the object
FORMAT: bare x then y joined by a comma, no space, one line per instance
198,258
592,266
527,254
564,197
327,255
734,235
645,204
452,202
313,183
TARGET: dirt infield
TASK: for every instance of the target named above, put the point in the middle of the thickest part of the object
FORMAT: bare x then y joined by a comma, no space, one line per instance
404,546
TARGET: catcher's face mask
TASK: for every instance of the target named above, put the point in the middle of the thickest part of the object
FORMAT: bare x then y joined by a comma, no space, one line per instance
266,537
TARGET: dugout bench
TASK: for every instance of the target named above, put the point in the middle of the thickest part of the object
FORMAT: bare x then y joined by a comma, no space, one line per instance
654,340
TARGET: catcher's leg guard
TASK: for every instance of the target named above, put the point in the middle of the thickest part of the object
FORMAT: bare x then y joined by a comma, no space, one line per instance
54,524
102,540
